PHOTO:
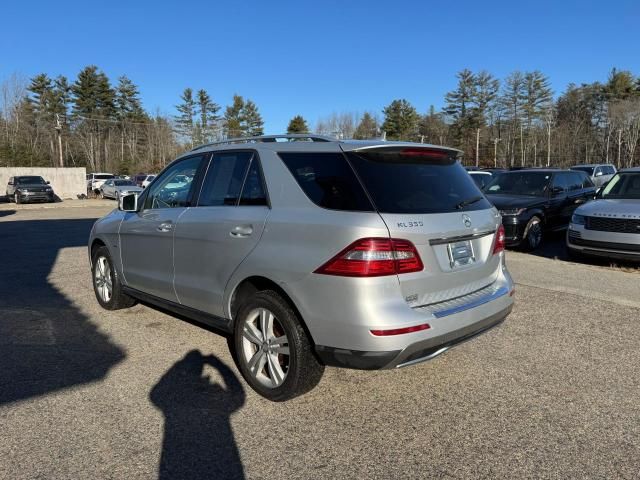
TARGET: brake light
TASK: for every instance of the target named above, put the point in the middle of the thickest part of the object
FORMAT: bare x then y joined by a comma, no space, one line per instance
374,257
400,331
498,246
423,152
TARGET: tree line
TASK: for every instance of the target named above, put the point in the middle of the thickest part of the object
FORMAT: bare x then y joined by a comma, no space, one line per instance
516,121
94,122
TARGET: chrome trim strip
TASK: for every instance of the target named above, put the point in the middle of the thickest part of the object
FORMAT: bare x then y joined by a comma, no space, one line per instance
460,238
475,303
424,359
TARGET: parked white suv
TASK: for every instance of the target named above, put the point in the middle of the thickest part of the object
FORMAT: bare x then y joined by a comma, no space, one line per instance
95,181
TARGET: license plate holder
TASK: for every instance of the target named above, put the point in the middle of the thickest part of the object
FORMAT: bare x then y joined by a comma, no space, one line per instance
461,253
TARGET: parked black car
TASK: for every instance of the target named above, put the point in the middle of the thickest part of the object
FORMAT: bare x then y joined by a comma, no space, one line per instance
536,201
30,188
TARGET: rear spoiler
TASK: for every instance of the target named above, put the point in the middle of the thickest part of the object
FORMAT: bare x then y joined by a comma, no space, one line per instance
409,149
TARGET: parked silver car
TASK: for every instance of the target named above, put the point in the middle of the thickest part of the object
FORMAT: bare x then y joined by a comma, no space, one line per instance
599,173
610,225
115,188
311,252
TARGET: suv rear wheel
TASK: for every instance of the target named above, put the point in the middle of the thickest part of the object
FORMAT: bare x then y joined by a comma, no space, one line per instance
106,282
272,348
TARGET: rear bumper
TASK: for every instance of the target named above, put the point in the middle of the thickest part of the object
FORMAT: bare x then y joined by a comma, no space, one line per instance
414,353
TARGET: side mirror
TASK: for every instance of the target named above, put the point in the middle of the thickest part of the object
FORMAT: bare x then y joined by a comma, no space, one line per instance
128,203
10,183
48,182
557,191
599,174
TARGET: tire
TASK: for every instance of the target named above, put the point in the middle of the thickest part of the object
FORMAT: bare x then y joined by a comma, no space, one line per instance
117,198
106,282
101,194
16,198
9,199
272,373
533,234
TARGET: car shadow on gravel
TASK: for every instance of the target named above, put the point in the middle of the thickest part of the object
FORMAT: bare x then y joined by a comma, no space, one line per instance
46,343
198,439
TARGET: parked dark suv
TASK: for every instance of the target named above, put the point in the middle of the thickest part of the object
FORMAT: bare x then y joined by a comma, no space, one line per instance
533,201
29,188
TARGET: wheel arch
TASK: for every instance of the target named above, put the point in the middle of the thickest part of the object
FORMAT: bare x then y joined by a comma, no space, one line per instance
256,283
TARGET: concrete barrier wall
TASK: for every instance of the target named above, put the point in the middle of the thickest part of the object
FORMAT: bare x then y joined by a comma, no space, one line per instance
66,182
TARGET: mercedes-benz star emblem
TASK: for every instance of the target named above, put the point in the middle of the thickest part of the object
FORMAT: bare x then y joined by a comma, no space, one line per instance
467,220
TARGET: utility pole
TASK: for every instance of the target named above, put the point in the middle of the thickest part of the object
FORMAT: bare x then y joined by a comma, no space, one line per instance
477,147
58,128
495,152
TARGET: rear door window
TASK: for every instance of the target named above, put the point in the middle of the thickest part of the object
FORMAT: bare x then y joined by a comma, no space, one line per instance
224,179
328,180
417,181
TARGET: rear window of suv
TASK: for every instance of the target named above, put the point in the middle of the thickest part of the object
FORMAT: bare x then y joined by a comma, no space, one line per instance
328,180
417,181
396,181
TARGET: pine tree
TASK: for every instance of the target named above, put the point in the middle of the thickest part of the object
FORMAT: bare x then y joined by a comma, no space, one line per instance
367,127
41,89
298,125
233,117
185,120
401,120
93,95
252,120
127,100
207,110
460,107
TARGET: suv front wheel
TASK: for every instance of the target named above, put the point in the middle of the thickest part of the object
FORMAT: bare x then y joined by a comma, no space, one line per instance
106,282
272,348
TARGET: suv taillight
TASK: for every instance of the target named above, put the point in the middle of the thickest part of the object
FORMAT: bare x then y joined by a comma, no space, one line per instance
374,257
498,246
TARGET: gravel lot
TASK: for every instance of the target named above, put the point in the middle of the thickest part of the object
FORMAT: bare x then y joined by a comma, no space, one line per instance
551,393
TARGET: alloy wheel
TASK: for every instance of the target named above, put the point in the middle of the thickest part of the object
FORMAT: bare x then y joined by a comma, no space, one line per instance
102,278
265,348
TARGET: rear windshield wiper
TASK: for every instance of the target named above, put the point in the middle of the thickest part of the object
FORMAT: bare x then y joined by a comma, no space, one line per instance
465,203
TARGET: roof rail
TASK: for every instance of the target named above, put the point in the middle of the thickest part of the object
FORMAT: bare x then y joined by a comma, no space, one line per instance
270,138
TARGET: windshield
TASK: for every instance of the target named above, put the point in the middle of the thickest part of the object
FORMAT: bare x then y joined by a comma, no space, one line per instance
417,181
103,177
588,170
520,183
30,181
123,183
623,185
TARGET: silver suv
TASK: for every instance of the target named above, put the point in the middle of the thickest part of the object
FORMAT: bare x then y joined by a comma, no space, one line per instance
600,173
609,226
307,251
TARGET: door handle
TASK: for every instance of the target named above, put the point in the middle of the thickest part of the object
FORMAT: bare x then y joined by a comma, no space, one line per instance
165,227
240,231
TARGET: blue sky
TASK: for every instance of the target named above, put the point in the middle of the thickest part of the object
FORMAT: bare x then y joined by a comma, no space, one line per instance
315,58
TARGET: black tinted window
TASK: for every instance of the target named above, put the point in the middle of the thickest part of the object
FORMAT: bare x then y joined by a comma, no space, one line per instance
575,181
253,189
417,181
561,181
328,180
224,179
30,181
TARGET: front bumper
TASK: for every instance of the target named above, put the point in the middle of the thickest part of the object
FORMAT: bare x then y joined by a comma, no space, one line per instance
36,197
514,228
622,246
